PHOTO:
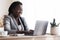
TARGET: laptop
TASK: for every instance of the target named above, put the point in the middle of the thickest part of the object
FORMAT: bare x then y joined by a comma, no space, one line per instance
40,28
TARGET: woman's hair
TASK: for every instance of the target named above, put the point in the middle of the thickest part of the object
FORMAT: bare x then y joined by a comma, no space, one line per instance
13,6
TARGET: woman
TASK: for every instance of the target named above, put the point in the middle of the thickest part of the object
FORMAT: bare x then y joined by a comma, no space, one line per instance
13,22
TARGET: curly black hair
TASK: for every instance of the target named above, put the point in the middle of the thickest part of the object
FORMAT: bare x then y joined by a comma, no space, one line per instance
13,6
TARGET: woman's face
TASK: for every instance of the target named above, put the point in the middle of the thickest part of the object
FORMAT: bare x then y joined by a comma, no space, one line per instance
17,11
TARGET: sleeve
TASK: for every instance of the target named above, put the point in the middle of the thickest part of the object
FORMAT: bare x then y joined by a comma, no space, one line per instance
7,25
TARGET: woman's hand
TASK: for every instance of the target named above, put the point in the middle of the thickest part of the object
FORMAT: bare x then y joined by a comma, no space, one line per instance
20,32
30,32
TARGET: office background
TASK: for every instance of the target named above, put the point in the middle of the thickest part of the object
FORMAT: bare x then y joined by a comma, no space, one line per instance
35,10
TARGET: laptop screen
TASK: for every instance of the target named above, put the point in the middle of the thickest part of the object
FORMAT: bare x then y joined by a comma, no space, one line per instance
40,28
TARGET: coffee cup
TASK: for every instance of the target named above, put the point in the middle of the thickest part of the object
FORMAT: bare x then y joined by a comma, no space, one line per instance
3,33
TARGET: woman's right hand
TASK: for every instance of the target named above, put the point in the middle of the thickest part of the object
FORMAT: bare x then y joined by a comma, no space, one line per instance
20,32
25,32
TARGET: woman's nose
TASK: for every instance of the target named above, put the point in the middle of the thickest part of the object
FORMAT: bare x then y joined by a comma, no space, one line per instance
18,11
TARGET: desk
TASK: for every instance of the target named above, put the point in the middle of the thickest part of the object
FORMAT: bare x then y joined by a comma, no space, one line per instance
42,37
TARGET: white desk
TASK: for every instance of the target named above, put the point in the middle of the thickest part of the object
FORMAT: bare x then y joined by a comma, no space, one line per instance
42,37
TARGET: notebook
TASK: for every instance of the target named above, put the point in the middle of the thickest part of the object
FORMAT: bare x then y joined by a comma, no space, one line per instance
40,28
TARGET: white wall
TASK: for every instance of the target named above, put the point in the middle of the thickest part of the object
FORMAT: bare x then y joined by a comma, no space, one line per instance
4,4
41,10
35,10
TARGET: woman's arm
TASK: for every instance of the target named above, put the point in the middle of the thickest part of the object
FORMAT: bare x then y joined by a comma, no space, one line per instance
7,26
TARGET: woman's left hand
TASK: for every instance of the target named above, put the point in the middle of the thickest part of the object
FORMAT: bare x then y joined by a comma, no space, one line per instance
30,32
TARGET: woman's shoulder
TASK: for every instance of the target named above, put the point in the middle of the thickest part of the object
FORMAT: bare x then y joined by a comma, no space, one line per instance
7,16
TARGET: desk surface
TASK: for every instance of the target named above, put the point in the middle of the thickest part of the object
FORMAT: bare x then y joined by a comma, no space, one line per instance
42,37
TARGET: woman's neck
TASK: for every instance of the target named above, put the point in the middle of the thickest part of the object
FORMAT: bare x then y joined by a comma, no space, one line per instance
16,17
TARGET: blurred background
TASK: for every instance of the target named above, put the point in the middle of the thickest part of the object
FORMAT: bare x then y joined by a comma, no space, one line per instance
34,10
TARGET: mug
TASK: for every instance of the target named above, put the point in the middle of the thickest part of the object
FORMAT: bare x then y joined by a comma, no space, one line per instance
3,33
